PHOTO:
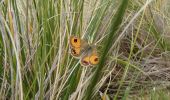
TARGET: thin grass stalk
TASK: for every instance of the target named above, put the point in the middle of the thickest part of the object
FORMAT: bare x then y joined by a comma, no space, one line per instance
17,58
96,19
130,55
27,27
77,20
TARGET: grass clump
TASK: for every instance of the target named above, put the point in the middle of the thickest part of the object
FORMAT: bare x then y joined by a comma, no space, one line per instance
131,37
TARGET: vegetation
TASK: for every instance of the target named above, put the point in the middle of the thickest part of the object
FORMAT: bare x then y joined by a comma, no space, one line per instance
131,37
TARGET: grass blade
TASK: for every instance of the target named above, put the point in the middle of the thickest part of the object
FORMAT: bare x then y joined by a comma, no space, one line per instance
116,21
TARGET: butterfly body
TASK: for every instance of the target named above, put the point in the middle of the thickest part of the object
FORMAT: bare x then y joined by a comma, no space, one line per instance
85,52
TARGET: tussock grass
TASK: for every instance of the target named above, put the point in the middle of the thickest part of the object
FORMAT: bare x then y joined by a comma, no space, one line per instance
131,37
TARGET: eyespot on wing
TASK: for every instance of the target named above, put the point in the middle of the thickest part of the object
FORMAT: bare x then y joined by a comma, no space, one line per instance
75,42
75,52
94,59
85,61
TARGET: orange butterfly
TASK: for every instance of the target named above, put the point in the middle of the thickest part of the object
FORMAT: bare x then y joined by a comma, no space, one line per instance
82,50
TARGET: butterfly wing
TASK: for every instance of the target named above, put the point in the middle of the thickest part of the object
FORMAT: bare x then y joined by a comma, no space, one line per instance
77,46
85,61
75,52
94,58
75,42
91,58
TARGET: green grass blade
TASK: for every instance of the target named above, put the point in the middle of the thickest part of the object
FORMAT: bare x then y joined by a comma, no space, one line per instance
116,21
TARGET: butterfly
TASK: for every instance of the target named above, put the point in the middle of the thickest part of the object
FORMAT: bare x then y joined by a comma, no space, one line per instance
80,49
